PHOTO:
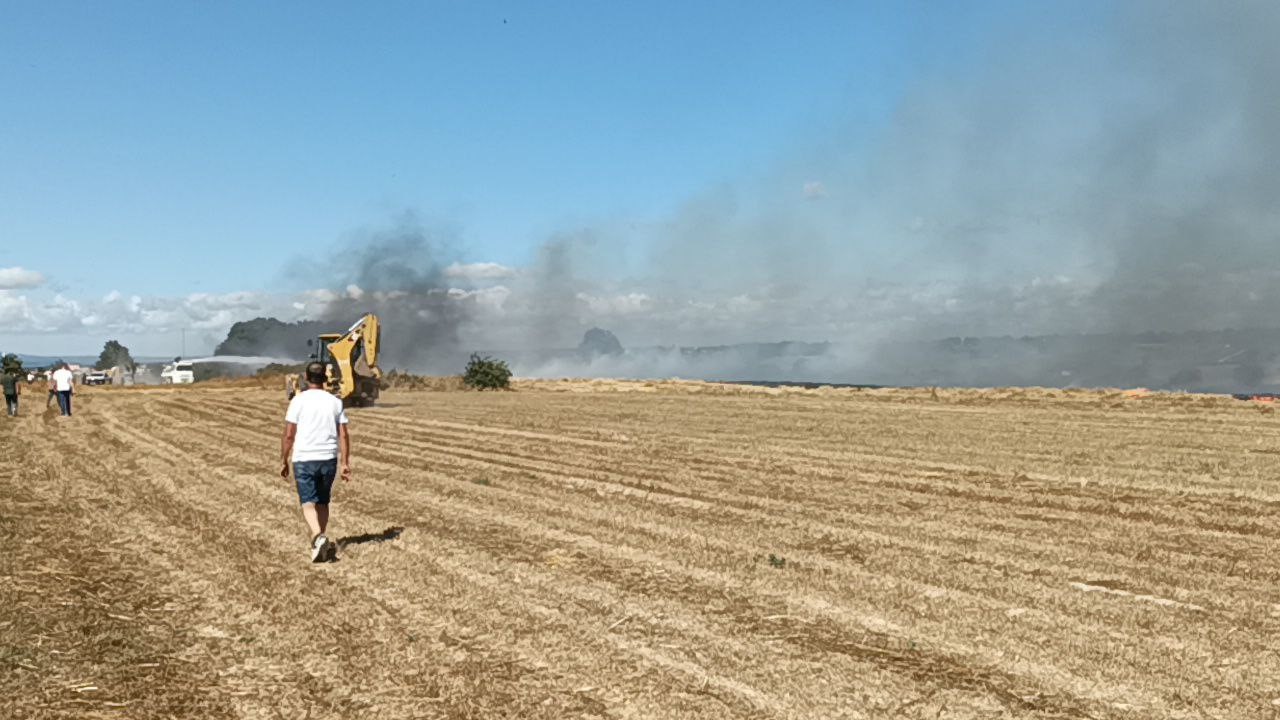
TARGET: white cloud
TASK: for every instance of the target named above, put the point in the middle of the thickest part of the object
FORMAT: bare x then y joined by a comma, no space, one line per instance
517,316
16,278
490,299
20,313
478,271
14,310
118,313
624,304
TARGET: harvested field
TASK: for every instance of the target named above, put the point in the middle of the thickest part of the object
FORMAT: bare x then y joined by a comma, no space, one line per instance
648,550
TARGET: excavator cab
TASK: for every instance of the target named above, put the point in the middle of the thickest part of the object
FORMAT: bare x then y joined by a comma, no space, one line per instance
322,354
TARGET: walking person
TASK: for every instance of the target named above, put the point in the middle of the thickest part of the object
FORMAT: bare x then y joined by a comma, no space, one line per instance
53,390
64,382
12,385
316,441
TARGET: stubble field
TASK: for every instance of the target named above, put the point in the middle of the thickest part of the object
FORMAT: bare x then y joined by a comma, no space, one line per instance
632,550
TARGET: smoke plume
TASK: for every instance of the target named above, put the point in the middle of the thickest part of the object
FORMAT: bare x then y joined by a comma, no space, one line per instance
1099,168
1106,169
399,274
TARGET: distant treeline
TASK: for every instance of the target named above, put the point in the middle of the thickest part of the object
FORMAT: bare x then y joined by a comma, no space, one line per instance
271,337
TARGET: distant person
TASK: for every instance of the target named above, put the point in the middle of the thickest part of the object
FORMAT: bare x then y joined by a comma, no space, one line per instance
64,382
316,441
11,382
290,385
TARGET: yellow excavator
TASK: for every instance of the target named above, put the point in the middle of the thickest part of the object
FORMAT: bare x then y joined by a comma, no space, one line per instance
352,361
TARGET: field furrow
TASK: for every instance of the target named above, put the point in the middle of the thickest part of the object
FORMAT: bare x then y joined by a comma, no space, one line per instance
677,551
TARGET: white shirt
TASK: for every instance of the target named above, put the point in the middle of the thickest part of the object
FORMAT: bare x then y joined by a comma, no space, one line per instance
317,414
62,378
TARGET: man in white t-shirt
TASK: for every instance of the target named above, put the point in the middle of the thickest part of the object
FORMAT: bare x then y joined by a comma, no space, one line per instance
316,441
63,381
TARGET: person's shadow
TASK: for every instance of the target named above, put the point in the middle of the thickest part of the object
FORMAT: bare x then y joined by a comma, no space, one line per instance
390,533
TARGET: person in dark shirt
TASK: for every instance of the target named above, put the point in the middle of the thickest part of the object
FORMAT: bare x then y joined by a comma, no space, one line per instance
12,385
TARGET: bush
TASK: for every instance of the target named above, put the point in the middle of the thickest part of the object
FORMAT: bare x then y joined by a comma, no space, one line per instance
486,373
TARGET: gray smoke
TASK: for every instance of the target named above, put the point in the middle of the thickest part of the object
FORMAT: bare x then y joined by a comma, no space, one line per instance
551,293
398,274
1180,176
1100,169
1096,168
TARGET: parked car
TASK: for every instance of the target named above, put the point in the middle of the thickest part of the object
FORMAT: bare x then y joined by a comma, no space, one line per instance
97,377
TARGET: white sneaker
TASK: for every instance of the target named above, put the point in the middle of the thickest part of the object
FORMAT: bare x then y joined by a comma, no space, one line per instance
319,548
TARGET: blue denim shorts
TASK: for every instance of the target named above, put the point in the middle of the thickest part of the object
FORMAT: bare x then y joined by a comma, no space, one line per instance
315,480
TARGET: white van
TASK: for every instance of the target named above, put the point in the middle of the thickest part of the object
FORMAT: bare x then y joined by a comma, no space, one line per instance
179,373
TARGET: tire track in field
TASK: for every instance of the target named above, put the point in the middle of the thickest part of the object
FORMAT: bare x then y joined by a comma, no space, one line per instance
453,527
1065,627
753,699
1004,566
1057,495
930,549
775,508
89,601
858,650
261,537
718,580
909,439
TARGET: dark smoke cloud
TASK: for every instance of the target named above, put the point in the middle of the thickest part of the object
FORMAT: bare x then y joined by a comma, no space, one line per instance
395,272
398,274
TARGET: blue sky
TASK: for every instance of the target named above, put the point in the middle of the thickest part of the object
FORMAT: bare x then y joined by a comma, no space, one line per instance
713,170
167,148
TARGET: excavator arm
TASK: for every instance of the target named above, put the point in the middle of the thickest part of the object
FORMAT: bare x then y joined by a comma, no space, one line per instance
355,355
